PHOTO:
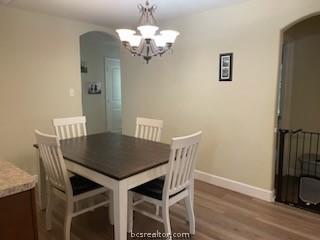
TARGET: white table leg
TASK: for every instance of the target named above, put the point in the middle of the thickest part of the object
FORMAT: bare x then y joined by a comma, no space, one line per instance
42,184
120,208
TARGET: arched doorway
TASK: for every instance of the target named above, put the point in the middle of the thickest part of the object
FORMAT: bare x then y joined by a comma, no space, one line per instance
101,81
298,168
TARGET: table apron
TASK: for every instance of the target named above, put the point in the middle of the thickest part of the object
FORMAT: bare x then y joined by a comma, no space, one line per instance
112,183
146,176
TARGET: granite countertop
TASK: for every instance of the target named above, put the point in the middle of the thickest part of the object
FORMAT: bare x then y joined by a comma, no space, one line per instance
13,180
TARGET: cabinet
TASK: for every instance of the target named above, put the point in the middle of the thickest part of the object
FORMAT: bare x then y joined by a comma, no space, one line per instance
18,219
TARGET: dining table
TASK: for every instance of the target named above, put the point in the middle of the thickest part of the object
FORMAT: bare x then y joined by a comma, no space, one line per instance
115,161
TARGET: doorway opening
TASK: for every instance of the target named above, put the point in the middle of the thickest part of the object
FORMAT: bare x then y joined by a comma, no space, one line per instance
101,82
298,146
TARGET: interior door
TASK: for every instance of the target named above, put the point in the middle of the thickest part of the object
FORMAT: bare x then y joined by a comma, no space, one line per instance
286,84
113,95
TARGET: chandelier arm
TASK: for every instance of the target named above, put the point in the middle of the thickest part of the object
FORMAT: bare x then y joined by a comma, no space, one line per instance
141,46
133,51
147,50
155,49
166,49
129,48
163,51
158,51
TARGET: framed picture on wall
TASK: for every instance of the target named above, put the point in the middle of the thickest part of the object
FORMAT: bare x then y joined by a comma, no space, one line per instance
84,67
94,88
226,65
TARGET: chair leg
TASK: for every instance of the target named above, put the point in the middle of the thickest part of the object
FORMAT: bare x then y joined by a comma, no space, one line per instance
130,211
91,203
166,220
68,219
189,206
77,206
111,214
49,208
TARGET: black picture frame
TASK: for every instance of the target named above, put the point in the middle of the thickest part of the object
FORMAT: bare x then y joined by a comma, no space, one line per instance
94,88
226,67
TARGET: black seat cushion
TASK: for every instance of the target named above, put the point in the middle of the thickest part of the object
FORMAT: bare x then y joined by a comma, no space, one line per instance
153,188
81,185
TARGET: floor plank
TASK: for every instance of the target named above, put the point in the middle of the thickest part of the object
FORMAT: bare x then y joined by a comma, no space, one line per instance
220,215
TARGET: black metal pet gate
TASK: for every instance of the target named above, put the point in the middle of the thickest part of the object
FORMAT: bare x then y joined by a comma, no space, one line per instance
298,169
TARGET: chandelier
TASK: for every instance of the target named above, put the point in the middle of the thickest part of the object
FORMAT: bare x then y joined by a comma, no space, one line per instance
151,42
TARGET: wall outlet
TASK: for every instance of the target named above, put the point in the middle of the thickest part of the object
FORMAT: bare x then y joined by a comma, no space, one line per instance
71,92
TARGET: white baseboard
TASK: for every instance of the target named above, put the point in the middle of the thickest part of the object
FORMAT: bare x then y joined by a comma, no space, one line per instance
252,191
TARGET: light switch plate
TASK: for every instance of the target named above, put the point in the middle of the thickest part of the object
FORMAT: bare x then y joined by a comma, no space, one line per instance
71,92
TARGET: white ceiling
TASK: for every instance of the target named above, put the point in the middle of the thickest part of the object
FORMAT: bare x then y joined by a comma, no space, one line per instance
115,13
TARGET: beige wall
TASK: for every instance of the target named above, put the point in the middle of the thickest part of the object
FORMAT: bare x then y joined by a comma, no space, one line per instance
39,62
237,118
94,47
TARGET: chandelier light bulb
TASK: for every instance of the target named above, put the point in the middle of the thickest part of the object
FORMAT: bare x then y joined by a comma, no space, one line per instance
135,40
148,31
169,35
160,41
125,34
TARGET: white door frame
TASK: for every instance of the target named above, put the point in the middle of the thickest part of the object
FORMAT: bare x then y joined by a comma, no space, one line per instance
106,60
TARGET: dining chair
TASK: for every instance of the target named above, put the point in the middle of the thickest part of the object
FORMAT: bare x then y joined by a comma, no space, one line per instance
176,186
71,189
72,127
149,129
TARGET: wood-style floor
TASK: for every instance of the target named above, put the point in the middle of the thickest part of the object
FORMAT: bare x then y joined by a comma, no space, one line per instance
220,215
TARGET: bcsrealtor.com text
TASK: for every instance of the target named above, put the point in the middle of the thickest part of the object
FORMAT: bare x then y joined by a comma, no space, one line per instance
159,235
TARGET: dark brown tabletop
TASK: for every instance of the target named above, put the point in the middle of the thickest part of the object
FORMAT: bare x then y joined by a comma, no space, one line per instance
115,155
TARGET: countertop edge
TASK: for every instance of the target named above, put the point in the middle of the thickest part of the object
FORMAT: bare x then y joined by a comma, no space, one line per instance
13,180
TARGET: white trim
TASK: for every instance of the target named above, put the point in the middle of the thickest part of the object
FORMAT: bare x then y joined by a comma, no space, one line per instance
252,191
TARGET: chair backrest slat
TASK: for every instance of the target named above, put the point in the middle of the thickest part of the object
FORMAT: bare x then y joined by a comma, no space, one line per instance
183,155
50,152
175,169
66,128
73,130
149,129
79,129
